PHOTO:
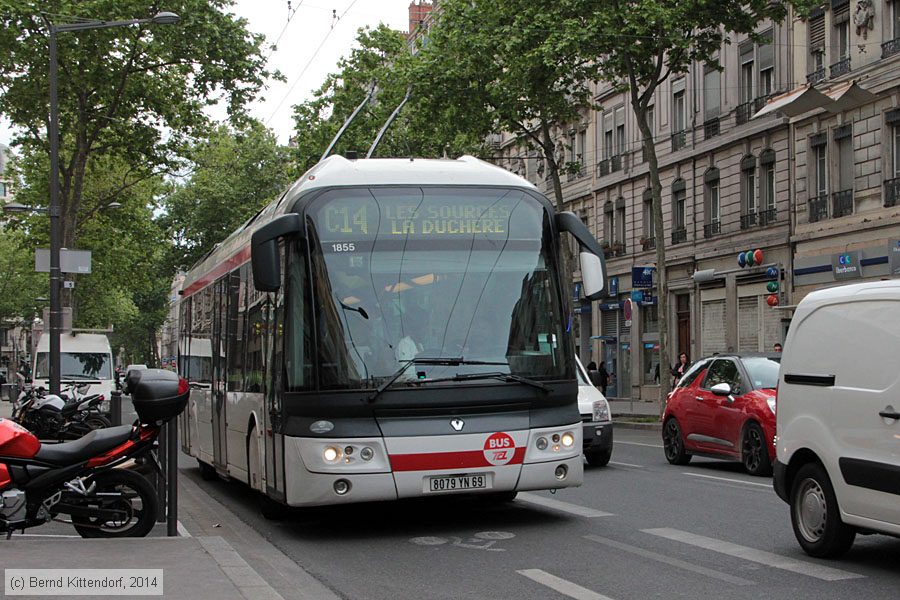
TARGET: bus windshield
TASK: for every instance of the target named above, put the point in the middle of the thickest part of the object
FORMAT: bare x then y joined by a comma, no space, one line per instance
427,272
78,365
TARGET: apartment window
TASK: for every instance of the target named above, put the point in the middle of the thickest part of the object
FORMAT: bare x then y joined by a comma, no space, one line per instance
842,200
821,168
766,54
678,116
620,130
711,202
767,187
746,83
679,203
608,221
582,146
896,150
818,193
711,92
651,124
649,223
892,45
608,134
620,221
816,27
748,185
840,20
3,189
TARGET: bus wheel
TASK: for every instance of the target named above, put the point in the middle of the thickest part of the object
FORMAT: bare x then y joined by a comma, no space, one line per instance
499,497
207,472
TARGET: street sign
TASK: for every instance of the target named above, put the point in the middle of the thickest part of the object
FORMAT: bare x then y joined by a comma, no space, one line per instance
613,286
69,285
626,311
642,277
70,261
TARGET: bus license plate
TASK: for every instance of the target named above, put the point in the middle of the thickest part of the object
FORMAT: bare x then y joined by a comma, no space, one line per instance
450,483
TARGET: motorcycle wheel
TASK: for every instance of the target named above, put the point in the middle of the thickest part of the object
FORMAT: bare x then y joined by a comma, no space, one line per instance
139,503
97,422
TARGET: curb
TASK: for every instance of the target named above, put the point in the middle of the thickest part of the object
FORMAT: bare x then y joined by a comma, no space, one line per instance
638,426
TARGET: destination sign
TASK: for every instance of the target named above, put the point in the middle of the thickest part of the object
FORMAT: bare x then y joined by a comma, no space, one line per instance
365,220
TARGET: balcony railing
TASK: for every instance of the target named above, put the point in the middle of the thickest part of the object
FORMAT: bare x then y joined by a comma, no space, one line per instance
711,229
648,243
890,48
679,140
603,168
711,128
842,203
818,208
615,163
770,215
748,220
892,192
816,76
840,67
679,236
743,112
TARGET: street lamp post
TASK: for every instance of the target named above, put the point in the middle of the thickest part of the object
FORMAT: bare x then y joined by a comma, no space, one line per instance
162,18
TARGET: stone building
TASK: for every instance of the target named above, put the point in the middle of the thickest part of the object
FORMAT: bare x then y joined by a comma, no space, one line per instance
792,148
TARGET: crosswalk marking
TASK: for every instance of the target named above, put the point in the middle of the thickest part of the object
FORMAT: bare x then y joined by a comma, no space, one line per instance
670,561
752,554
574,509
563,586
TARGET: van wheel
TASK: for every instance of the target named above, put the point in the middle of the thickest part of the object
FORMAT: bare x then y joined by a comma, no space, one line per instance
207,472
673,443
755,451
598,458
815,514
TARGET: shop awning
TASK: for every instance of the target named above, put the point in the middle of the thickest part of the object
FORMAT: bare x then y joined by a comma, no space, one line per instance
805,98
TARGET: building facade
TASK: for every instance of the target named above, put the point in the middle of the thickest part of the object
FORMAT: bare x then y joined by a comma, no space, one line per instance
814,185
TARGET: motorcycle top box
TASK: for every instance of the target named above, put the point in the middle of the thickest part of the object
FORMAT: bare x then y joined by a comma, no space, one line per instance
158,395
16,441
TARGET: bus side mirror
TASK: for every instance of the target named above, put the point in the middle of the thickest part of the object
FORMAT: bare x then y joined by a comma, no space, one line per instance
264,250
593,266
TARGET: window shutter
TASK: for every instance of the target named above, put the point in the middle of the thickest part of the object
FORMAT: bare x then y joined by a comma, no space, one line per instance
819,139
711,175
767,157
678,186
748,163
840,11
817,32
843,132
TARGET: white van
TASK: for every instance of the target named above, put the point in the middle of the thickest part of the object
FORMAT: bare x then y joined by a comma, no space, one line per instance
597,427
838,417
82,356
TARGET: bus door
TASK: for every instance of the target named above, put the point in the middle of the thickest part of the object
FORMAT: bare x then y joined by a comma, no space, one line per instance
274,425
219,337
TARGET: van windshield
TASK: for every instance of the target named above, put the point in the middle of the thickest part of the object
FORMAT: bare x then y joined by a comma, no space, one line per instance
84,365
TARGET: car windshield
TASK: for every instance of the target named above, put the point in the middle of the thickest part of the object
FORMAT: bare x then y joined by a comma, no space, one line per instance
405,273
95,365
763,371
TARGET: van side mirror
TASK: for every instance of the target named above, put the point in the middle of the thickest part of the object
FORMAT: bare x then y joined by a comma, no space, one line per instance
593,266
264,250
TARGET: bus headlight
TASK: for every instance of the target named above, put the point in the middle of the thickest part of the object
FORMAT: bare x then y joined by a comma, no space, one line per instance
366,453
331,454
541,443
568,440
557,443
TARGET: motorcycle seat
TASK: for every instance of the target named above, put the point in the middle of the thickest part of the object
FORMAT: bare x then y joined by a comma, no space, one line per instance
96,442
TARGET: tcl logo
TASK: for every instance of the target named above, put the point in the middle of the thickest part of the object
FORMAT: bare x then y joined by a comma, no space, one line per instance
499,448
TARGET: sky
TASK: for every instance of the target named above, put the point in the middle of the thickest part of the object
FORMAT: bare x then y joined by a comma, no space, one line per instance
311,27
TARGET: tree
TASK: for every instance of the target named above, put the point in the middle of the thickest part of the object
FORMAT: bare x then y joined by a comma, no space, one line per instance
493,66
20,286
136,92
233,174
381,58
636,46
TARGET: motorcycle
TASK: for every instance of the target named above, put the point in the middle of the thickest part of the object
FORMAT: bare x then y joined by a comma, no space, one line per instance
53,417
85,479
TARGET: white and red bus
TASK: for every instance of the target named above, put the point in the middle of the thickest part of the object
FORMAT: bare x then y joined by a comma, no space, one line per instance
388,328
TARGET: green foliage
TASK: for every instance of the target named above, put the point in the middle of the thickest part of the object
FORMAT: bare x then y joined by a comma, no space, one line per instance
382,56
135,92
20,286
233,174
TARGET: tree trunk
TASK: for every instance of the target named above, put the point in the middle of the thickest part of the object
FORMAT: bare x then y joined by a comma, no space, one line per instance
665,381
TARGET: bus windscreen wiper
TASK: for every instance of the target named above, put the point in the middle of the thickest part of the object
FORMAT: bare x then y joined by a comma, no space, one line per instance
450,362
496,375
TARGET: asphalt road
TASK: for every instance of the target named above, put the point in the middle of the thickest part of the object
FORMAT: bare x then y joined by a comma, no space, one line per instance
639,528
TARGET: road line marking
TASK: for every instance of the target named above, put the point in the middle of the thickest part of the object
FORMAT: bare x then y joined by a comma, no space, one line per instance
182,530
671,561
752,554
46,535
639,444
765,485
621,464
564,587
581,511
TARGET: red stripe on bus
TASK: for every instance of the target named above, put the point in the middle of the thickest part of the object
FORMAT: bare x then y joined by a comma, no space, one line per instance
230,264
442,461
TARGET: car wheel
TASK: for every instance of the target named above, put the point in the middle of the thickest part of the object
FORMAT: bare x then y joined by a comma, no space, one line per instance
755,451
815,515
673,443
598,458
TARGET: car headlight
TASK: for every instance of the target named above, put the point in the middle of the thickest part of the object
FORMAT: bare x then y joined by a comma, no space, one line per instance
601,410
771,402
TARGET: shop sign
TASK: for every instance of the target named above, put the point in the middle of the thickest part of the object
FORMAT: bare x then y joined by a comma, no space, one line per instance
642,277
894,257
846,265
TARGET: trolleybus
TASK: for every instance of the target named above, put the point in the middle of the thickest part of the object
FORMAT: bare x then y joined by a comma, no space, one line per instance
388,328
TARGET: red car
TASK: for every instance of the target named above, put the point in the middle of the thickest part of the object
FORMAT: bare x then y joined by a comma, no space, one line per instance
724,407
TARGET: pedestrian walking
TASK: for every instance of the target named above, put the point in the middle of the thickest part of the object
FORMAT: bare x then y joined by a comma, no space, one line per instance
603,377
681,367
